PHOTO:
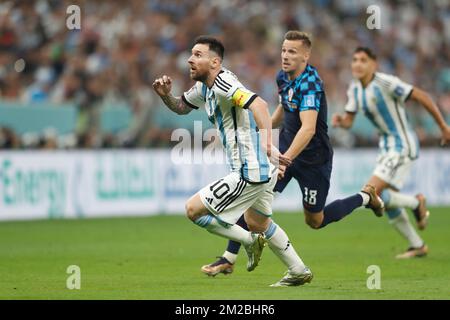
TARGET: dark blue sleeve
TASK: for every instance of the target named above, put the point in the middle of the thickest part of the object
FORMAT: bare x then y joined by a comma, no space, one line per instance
280,79
309,94
310,101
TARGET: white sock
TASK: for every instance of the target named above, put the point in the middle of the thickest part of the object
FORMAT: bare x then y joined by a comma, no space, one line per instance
280,245
400,200
229,231
405,228
366,198
231,257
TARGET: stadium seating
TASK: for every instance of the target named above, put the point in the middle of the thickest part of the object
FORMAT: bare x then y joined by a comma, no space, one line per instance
35,118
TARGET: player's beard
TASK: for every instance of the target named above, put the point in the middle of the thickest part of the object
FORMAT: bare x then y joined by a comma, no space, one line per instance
200,77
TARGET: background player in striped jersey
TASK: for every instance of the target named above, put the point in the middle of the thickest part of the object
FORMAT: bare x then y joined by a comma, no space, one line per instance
381,97
243,124
302,112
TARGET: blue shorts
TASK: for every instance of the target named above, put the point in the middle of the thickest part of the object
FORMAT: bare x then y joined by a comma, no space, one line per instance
314,182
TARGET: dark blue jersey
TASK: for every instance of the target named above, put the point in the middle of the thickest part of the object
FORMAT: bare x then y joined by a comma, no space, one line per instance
304,93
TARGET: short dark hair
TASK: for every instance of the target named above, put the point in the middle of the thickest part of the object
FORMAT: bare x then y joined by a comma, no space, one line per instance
213,43
368,51
299,35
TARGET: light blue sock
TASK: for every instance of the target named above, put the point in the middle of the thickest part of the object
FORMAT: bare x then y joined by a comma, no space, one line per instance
400,221
271,230
204,221
393,213
280,245
394,199
223,229
386,197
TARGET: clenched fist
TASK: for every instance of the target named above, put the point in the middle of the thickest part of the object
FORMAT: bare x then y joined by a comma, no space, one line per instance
163,85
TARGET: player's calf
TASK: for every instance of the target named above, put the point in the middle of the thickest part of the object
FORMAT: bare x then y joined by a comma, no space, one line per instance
256,222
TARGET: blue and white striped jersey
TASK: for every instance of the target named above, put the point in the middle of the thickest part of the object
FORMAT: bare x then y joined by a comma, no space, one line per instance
383,103
226,104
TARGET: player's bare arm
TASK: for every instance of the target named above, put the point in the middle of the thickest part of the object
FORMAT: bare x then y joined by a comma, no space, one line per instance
260,111
263,120
304,135
343,121
163,87
277,116
427,102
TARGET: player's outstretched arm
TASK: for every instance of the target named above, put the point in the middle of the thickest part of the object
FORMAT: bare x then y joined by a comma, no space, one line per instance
425,100
343,121
308,119
163,86
277,116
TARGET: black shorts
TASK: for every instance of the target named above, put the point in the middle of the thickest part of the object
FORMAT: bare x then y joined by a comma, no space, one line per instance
314,182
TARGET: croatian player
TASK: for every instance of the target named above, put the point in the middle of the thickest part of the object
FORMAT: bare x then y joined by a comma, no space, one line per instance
243,124
304,139
381,97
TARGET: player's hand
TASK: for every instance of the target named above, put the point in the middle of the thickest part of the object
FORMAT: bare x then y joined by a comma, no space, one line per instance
273,154
336,120
163,85
281,172
445,136
279,159
285,160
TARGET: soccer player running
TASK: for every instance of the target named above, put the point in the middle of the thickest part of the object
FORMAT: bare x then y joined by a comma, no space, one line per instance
243,124
381,97
302,112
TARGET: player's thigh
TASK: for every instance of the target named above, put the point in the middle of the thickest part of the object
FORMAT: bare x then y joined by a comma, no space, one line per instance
258,216
225,197
228,198
391,171
282,183
314,182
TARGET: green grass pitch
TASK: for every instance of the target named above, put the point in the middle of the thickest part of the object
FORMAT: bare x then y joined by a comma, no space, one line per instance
160,258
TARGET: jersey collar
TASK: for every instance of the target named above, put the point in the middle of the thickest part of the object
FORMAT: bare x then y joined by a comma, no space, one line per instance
300,76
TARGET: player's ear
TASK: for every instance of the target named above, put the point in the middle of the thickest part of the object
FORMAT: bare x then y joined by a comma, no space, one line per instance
374,65
307,55
215,62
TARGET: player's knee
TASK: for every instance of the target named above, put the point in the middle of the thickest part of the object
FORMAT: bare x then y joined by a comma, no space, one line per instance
191,212
313,222
255,226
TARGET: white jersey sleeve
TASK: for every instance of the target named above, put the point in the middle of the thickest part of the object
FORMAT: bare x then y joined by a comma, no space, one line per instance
351,105
232,89
395,87
194,97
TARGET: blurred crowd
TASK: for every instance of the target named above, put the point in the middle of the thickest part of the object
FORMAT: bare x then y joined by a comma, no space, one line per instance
124,45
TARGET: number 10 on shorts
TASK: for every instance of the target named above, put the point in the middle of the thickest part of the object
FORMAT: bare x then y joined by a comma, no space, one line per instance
309,196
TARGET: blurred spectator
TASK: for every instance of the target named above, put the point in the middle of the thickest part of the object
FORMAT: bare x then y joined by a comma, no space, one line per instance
9,139
123,46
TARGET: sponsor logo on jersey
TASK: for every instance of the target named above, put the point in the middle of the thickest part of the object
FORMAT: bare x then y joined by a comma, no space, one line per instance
290,94
292,106
399,91
309,100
